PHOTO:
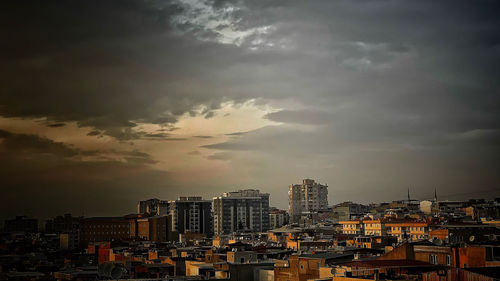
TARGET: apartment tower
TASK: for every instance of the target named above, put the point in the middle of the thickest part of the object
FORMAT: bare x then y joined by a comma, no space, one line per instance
308,197
243,210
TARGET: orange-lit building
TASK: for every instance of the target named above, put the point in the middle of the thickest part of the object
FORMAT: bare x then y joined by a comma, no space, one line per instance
414,231
460,257
374,228
441,234
143,228
352,227
298,268
425,252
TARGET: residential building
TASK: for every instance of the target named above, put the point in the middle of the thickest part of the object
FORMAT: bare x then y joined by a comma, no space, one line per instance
277,218
68,240
243,210
152,206
454,256
190,214
143,228
408,230
298,268
341,213
307,197
352,227
62,224
100,229
374,228
158,229
349,211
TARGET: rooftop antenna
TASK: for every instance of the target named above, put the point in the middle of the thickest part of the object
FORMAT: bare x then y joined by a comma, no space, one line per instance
408,194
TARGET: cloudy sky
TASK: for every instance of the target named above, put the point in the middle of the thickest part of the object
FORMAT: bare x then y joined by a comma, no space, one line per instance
104,103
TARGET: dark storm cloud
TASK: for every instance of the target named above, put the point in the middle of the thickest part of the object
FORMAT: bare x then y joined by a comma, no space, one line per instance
407,72
32,147
51,178
94,133
373,94
105,64
56,125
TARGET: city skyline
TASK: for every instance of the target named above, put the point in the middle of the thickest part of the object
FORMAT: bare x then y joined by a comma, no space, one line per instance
104,103
160,206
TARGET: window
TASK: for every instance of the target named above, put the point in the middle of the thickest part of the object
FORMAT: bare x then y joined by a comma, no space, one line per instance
448,260
433,259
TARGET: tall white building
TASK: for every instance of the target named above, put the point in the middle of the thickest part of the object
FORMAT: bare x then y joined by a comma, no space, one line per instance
243,210
309,196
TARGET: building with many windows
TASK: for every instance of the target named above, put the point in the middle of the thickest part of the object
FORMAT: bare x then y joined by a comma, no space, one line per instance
307,197
408,230
240,211
191,214
352,227
374,228
277,218
99,229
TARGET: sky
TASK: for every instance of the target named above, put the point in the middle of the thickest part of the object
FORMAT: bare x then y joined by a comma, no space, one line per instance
104,103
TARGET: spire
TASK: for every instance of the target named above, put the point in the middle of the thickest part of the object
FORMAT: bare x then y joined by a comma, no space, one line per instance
435,195
408,194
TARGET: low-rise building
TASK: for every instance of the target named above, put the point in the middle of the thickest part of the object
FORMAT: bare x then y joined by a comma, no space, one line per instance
408,230
352,227
374,227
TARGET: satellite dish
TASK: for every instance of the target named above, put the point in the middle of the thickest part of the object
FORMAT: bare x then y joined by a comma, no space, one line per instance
471,238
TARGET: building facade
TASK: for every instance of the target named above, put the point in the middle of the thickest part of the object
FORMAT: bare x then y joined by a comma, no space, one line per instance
243,210
352,227
191,214
277,218
152,207
307,197
100,229
410,231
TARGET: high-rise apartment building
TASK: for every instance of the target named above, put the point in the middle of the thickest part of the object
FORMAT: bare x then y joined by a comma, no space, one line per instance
191,214
309,196
243,210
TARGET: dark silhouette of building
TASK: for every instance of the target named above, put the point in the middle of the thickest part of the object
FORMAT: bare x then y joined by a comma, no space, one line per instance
21,224
190,214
